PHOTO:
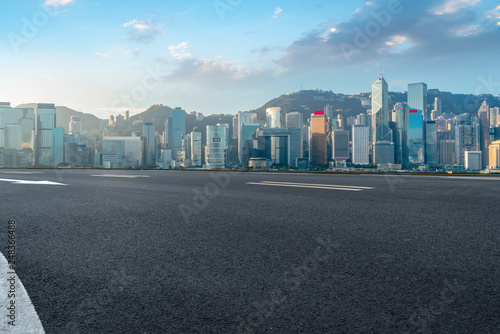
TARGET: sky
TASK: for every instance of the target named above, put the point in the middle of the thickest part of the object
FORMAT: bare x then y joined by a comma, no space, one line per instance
222,56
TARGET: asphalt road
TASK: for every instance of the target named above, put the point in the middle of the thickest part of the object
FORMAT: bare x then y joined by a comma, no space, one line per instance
205,252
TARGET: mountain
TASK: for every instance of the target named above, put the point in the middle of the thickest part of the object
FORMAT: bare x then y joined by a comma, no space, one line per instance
307,101
64,114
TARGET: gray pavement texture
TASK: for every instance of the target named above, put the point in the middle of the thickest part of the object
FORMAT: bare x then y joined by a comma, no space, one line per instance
206,252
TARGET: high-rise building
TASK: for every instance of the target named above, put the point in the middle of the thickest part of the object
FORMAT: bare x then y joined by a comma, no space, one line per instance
121,152
415,138
318,142
494,153
329,111
57,146
45,115
467,136
294,119
431,144
473,160
273,117
438,106
196,152
75,125
447,152
400,133
280,146
383,152
360,144
175,128
340,145
248,132
380,106
494,116
244,118
417,98
148,132
484,115
216,148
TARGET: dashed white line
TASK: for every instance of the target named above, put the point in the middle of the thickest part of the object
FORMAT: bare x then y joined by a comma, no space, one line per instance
310,186
315,184
45,182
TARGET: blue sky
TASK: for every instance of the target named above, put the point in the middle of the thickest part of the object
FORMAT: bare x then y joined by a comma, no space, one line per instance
221,56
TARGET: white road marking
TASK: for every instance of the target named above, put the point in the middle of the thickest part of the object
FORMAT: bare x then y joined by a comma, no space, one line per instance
21,172
45,183
27,320
484,178
315,184
306,185
122,176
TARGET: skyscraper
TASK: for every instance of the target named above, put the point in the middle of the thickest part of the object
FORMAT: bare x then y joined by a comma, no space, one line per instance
244,118
494,153
196,147
340,145
380,106
45,116
175,128
417,98
484,115
216,149
148,132
273,117
415,139
360,144
431,144
75,125
318,142
438,106
400,134
294,119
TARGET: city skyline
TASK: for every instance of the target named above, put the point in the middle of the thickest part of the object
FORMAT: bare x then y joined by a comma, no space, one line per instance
73,53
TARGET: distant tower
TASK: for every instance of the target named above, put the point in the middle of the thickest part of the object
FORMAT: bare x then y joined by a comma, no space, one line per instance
318,142
273,117
127,115
75,126
380,105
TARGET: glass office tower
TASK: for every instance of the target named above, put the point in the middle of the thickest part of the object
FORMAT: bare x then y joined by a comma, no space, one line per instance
417,98
416,143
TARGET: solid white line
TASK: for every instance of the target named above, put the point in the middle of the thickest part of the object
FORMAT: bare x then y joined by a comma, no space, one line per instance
121,176
314,184
484,178
302,186
27,320
45,183
21,172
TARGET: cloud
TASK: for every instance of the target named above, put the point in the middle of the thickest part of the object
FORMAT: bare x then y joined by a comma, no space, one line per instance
277,12
466,30
407,33
180,51
453,6
103,54
57,3
133,54
143,31
494,14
